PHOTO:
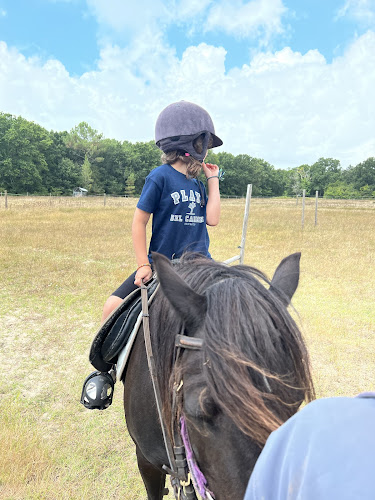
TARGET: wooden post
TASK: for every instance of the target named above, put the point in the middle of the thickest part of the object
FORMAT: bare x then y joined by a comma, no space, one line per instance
303,207
6,199
50,198
316,206
104,200
240,257
245,219
296,199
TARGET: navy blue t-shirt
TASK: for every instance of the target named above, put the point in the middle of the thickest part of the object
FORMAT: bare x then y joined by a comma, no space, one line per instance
179,216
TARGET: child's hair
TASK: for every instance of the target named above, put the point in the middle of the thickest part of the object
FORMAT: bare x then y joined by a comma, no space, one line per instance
193,166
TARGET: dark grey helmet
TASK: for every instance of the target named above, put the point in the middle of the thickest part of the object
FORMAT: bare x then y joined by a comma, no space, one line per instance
179,124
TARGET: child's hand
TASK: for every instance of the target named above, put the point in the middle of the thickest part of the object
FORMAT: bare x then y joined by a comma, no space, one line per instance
143,275
210,169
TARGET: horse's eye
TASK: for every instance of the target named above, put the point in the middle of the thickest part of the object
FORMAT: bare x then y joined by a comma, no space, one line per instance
199,405
209,409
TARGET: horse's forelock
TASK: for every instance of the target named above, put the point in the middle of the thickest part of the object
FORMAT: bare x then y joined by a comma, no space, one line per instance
253,345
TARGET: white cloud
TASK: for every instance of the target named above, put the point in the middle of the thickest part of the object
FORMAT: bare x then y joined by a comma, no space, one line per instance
235,17
189,9
244,19
362,11
286,58
286,107
301,108
131,16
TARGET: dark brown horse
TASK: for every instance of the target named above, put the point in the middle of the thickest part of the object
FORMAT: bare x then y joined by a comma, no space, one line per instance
251,375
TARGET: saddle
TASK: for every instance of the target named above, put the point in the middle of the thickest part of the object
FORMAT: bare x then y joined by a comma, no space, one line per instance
115,332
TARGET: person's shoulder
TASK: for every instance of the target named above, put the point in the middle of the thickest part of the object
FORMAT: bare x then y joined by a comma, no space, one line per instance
159,171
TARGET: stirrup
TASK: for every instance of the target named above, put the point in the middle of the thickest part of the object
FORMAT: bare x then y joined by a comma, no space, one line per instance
97,391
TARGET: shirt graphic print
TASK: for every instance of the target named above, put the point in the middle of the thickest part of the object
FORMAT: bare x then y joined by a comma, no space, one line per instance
178,212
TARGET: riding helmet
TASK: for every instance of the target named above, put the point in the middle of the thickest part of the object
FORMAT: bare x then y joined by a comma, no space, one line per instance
180,124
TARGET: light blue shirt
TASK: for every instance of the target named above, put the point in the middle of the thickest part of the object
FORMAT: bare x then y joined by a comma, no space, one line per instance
326,451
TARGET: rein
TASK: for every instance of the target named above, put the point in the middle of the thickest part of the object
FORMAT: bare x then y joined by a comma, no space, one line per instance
152,369
186,477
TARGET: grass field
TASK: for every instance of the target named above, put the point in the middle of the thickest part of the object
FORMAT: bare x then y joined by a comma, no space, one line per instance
61,258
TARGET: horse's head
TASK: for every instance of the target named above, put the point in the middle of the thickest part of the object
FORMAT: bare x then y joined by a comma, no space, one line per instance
252,373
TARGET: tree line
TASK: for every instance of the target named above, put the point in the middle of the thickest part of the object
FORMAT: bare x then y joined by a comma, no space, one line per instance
37,161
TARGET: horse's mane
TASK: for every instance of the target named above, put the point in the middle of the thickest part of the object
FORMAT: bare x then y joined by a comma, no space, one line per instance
258,371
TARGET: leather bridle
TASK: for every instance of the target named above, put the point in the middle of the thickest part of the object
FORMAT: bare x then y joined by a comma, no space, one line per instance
178,469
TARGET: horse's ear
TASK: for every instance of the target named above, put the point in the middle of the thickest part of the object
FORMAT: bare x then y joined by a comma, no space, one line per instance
285,280
190,305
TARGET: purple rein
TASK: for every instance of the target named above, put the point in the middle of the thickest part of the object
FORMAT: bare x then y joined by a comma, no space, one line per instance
199,481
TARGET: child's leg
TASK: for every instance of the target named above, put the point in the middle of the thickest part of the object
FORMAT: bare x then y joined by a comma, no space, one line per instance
110,305
118,296
96,384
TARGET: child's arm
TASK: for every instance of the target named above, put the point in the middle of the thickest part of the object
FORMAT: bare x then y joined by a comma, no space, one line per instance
140,220
213,204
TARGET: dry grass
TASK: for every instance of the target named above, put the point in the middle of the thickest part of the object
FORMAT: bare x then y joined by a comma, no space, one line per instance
59,261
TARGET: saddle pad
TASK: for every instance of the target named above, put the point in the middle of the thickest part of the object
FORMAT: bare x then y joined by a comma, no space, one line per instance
114,333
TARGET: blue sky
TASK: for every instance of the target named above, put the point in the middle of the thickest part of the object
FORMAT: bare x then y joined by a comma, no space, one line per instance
69,31
285,80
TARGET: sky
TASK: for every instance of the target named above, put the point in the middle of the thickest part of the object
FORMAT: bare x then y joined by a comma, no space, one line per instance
288,81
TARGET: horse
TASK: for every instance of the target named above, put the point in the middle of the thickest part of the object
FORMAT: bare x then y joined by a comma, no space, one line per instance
251,374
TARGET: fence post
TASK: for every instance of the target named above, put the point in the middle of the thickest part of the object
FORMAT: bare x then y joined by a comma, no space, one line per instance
6,199
50,198
316,206
303,207
104,199
245,219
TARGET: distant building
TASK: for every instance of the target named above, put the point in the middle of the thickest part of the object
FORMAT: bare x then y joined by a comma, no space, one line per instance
78,191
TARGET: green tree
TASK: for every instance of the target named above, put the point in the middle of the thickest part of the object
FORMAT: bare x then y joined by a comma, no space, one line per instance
111,170
69,175
362,174
84,141
129,185
366,191
281,182
23,148
140,158
226,163
299,179
63,173
341,190
242,170
322,173
86,175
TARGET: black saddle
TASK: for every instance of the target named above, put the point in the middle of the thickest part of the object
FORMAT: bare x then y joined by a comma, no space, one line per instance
115,331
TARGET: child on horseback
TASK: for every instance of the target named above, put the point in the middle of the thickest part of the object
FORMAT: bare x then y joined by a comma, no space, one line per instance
180,208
